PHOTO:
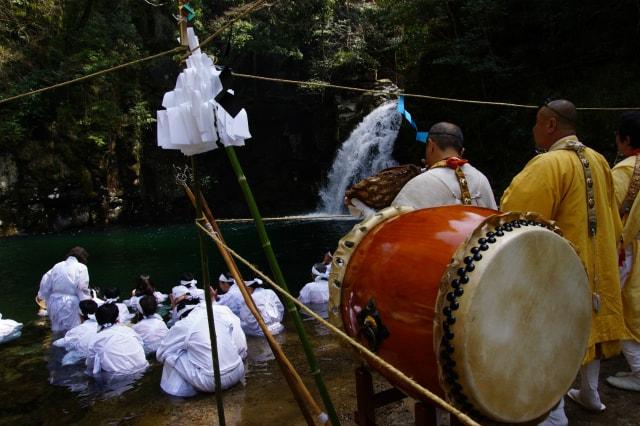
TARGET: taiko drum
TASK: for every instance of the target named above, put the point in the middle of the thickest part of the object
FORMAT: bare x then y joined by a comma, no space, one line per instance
489,310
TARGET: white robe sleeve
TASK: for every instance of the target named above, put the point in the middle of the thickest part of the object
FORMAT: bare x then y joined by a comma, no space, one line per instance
82,282
173,344
45,286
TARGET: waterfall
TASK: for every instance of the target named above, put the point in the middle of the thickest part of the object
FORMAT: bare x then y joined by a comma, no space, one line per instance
367,151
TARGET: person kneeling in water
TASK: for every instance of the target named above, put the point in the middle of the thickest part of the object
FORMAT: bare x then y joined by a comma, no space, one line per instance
151,328
186,354
270,307
116,349
77,340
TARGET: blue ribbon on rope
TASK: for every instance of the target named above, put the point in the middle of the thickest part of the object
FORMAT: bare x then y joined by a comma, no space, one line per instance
420,136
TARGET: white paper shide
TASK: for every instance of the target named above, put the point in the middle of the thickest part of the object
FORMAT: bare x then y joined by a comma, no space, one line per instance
192,116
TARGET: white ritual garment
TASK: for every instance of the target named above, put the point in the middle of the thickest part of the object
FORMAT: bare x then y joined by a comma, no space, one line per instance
116,349
224,313
315,292
80,337
63,287
270,308
186,355
439,187
9,330
123,313
192,115
152,330
232,299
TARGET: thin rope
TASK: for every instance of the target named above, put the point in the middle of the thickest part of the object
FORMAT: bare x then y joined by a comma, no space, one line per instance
363,350
93,75
259,4
414,95
134,62
287,218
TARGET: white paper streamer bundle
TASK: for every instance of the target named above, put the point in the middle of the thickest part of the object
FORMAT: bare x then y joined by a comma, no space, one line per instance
192,115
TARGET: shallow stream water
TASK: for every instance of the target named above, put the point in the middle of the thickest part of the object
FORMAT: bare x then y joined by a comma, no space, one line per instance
36,390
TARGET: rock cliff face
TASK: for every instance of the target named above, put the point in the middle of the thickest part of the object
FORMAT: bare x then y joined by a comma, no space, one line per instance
47,187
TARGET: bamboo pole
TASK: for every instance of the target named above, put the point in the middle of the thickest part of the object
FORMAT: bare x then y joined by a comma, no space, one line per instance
204,261
279,278
310,409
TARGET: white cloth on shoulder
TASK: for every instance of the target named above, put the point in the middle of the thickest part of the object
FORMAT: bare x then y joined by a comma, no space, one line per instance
116,349
63,287
270,308
152,330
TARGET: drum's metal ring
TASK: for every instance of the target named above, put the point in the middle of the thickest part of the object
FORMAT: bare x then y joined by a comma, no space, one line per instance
451,292
346,247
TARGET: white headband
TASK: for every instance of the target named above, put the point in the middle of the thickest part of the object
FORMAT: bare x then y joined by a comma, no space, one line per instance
224,279
114,300
189,283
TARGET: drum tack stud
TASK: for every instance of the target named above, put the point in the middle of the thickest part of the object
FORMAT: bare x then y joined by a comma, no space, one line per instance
455,283
470,267
491,240
464,279
363,229
458,291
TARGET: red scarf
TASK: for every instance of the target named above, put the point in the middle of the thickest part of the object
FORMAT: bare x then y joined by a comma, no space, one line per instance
455,162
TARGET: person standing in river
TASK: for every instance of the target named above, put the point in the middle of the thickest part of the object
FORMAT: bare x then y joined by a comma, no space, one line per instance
449,178
572,185
63,287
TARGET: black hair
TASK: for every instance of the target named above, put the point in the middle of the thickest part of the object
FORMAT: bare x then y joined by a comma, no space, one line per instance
320,267
149,305
79,253
107,313
112,293
630,126
88,307
184,303
447,135
144,286
186,276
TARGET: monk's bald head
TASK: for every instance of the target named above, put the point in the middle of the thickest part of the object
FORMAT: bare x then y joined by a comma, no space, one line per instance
447,135
563,111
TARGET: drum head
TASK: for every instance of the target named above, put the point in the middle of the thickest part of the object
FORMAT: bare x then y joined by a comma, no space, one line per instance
513,321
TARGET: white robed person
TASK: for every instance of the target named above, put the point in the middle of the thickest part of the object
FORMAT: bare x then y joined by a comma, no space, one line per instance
317,291
151,327
269,306
186,353
188,280
229,293
116,350
449,179
63,287
78,340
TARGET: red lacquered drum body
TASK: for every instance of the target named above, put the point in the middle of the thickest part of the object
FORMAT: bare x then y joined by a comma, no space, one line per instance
489,310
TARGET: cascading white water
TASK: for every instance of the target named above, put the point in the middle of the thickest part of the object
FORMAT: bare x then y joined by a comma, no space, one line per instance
367,151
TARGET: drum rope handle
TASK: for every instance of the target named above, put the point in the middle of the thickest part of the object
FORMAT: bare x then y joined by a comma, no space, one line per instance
370,356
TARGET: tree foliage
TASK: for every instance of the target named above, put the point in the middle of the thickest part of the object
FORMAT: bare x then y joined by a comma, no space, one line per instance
93,143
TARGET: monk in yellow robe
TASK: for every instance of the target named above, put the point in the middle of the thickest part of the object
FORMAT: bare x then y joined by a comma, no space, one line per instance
572,185
626,180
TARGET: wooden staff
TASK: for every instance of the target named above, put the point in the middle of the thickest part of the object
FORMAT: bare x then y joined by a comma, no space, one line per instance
204,262
310,409
279,278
